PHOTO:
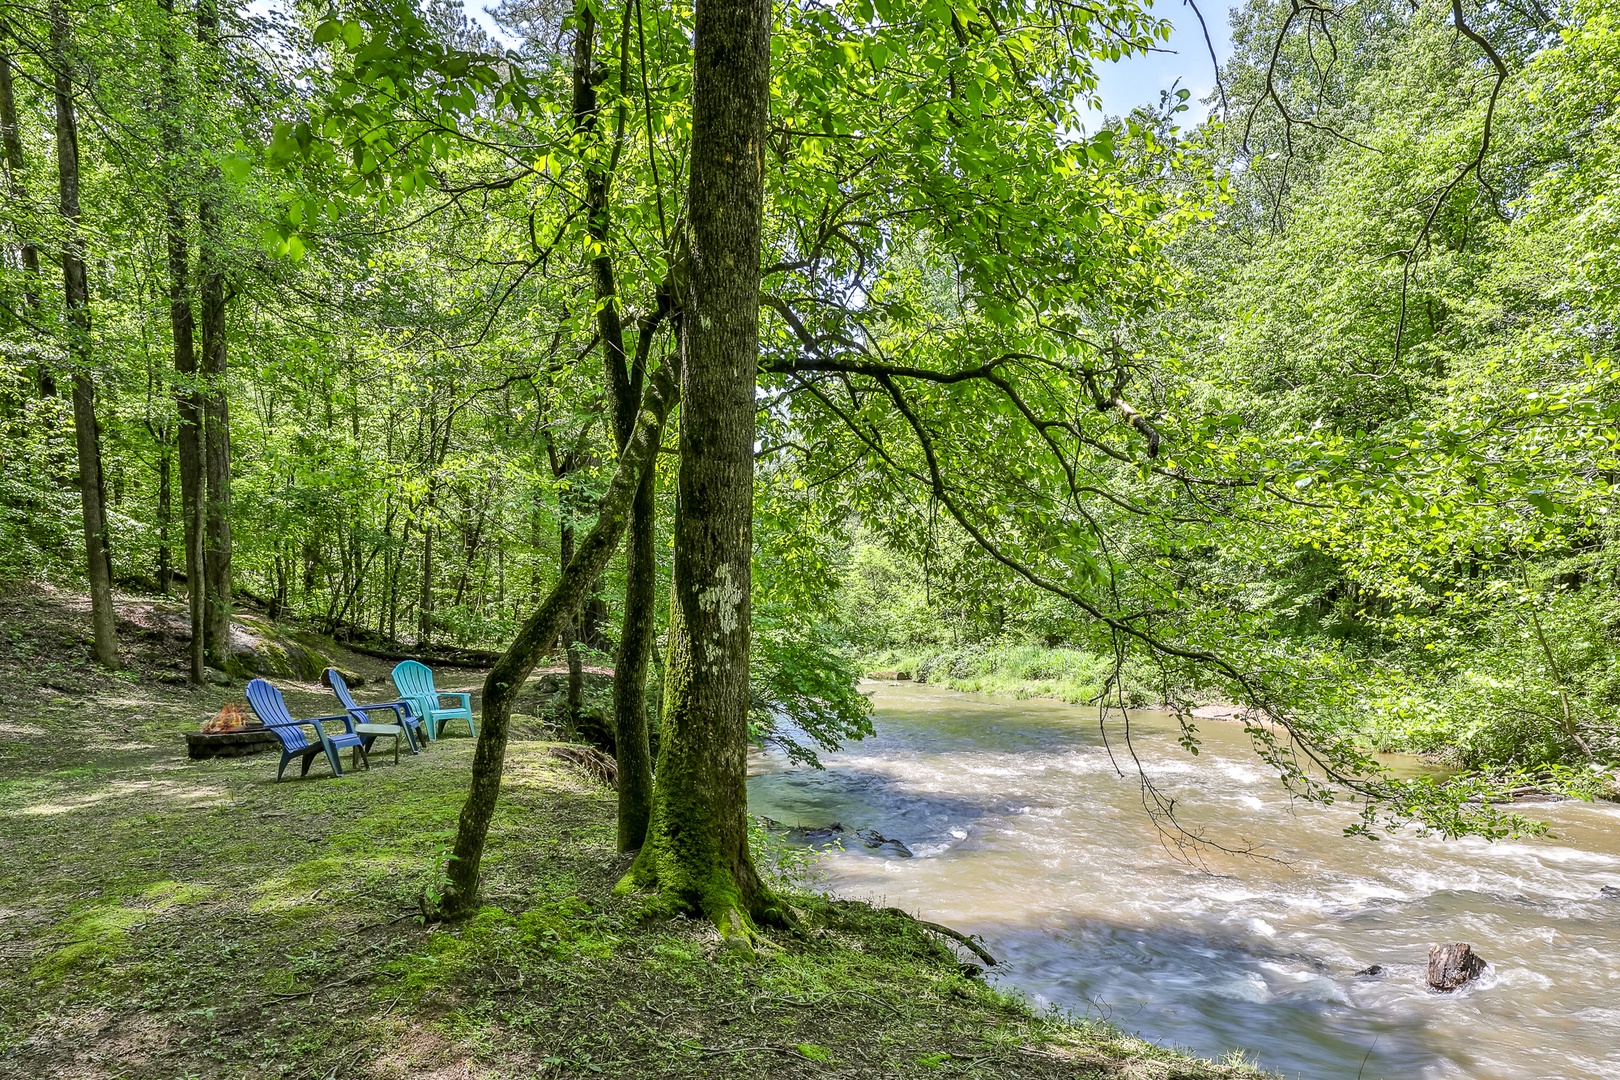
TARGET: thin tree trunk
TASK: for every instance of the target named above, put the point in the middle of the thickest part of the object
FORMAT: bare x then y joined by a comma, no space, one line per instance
165,514
188,402
76,290
696,851
570,635
424,632
216,403
11,144
631,746
506,678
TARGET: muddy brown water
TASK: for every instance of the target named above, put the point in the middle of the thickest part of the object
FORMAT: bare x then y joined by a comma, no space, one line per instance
1023,833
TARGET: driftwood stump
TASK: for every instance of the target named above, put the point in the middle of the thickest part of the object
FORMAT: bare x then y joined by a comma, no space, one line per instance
1452,965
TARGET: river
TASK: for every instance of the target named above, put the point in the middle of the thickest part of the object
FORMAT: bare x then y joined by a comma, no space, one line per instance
1023,833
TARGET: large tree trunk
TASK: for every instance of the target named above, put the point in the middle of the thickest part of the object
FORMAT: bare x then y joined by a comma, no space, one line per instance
460,894
215,399
188,402
697,845
76,288
28,252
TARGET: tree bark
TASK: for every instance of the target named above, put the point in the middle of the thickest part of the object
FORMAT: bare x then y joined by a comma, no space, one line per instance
182,325
631,746
459,895
630,742
570,630
165,515
11,144
697,844
215,398
76,291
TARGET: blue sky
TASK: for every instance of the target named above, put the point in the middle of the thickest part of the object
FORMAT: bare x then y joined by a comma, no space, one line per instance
1137,80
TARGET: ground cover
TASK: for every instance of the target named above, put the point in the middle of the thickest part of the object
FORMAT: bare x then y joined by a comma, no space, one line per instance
161,917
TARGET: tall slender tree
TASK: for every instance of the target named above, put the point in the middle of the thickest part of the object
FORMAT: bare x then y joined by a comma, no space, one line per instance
76,292
27,251
696,851
215,397
188,400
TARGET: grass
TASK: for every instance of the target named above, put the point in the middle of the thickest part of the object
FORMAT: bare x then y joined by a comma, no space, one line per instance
161,917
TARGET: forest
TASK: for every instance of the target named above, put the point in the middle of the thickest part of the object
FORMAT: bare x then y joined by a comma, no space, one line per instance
744,352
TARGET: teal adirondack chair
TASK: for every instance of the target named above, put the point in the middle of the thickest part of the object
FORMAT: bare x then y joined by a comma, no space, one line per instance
414,682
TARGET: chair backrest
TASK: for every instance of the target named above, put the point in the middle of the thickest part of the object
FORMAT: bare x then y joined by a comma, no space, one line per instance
333,679
269,706
413,679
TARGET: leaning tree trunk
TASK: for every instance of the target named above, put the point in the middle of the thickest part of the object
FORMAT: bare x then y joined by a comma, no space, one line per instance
459,896
697,846
182,324
216,402
76,289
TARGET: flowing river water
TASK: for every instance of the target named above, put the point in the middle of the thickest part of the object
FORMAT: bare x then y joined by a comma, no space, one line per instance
1023,833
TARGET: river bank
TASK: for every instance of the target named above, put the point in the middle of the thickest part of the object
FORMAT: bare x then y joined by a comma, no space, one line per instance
161,917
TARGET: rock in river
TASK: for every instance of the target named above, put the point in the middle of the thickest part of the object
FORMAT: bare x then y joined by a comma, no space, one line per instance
1452,965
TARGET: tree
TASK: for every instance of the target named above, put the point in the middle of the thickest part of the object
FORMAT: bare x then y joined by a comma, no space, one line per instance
696,852
182,327
215,389
27,251
459,895
76,292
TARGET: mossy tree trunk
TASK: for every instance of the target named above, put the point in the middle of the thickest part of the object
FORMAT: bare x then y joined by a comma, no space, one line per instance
696,852
460,893
76,293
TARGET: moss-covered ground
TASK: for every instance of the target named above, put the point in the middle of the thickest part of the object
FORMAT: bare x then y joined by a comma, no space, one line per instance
161,917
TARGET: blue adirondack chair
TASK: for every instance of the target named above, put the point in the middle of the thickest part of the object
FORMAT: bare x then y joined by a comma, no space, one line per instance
269,706
415,684
404,715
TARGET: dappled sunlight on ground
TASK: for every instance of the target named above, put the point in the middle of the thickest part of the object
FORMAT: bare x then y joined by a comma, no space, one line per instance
152,794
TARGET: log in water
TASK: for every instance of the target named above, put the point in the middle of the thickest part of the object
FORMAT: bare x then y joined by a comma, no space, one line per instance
1315,963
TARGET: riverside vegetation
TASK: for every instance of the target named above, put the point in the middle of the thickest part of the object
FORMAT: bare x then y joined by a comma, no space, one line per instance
742,346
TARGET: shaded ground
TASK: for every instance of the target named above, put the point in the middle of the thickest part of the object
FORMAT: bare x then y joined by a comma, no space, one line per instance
161,917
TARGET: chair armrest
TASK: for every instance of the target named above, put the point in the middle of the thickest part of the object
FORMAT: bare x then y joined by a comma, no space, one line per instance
392,706
345,719
466,700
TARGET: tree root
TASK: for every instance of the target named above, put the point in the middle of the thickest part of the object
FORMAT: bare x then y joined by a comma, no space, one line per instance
592,762
944,931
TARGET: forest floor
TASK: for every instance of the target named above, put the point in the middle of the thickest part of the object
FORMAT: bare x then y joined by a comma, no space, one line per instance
162,917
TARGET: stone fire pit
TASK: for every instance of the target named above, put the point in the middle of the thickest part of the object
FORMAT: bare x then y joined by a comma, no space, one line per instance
209,744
